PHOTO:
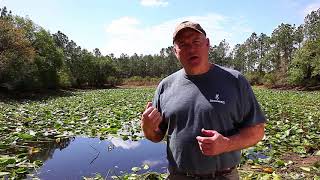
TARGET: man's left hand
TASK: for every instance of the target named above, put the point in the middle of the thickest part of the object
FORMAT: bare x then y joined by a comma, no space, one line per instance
212,143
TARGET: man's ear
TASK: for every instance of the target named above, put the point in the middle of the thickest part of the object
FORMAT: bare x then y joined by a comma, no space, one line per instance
174,51
208,42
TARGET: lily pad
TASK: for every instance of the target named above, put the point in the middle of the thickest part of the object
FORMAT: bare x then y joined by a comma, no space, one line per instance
306,169
2,174
145,167
22,170
136,169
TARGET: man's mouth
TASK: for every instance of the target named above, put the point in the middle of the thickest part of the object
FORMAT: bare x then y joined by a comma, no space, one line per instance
193,58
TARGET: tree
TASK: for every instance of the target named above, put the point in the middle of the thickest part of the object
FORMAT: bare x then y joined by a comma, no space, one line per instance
252,47
49,59
305,68
312,25
28,26
239,57
97,52
219,54
168,62
16,56
61,40
283,45
4,14
264,47
72,57
298,36
103,69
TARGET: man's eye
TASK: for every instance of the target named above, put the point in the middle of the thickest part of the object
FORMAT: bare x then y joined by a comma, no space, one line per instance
196,42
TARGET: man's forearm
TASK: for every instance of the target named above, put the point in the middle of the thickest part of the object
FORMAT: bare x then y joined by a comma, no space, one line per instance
247,137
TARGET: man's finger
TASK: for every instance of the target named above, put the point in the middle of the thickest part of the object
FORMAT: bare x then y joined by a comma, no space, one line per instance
204,148
205,140
157,118
153,113
208,133
146,113
149,104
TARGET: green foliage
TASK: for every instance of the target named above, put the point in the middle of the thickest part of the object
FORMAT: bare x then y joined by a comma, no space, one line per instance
305,68
103,69
114,81
296,76
4,14
254,78
291,127
64,78
269,79
298,36
219,54
312,25
32,58
16,56
283,40
147,65
252,56
140,81
133,175
239,57
48,60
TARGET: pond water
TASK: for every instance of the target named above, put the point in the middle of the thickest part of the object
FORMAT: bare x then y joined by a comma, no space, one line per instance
80,156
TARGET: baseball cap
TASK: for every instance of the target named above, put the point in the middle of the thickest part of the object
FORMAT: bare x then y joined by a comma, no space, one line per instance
188,24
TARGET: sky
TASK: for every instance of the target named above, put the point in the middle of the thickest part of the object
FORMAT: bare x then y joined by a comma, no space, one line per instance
146,26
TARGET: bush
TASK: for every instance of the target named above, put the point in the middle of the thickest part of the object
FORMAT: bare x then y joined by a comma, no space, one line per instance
269,79
254,78
140,81
64,79
114,81
296,76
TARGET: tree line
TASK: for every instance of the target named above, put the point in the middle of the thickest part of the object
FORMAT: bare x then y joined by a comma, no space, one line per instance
32,58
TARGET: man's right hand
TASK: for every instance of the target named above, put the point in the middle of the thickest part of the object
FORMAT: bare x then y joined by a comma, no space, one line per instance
150,120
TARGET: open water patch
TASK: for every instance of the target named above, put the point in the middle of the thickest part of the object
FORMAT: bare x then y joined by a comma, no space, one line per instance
75,158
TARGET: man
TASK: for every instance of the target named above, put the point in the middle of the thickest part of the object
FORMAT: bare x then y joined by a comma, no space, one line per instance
208,112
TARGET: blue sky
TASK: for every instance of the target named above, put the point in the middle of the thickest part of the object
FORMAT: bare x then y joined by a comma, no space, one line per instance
146,26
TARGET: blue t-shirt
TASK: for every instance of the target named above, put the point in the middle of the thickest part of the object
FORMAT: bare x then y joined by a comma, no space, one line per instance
220,99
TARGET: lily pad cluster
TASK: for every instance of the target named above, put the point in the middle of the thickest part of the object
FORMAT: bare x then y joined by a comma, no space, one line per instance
26,125
292,132
292,129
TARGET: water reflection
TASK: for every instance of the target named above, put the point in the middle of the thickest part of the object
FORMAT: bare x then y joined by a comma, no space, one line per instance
78,157
47,148
118,142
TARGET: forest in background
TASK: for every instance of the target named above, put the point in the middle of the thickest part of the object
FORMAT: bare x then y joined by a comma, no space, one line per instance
31,58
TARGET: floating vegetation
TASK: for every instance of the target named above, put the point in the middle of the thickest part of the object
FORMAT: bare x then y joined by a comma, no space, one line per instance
290,149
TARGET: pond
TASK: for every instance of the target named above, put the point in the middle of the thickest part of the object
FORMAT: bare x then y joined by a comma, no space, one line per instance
75,158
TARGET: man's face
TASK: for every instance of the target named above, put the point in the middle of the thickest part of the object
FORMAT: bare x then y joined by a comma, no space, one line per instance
191,48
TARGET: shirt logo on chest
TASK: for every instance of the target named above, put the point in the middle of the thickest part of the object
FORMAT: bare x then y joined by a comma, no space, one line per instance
217,100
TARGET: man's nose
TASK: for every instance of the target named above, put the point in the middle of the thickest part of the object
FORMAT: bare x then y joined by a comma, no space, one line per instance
191,47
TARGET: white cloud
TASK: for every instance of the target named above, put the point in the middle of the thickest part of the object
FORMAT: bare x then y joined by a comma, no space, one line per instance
118,142
310,8
152,163
128,35
154,3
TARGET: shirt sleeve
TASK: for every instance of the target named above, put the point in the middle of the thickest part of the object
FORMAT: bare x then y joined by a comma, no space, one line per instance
251,113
